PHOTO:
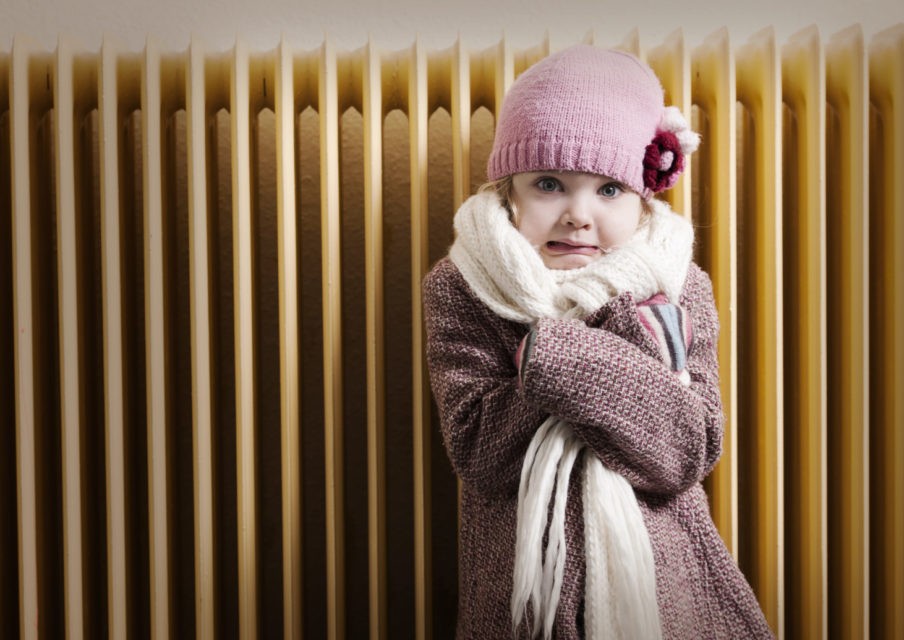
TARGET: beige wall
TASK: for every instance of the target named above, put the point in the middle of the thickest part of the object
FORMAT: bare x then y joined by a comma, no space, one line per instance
393,23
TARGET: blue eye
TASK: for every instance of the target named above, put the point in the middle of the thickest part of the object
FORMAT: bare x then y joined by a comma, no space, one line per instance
548,184
611,189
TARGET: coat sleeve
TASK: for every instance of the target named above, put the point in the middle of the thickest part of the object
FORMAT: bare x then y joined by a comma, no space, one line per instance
606,377
485,421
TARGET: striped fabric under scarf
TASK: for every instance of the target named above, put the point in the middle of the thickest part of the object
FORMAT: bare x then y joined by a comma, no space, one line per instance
670,326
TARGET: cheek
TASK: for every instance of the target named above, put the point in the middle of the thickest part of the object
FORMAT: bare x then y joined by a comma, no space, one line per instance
532,234
629,226
533,226
621,227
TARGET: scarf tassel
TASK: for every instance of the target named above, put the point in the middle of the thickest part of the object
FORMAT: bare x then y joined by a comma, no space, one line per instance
507,274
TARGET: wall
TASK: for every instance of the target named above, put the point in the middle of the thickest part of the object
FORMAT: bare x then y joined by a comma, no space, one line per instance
393,23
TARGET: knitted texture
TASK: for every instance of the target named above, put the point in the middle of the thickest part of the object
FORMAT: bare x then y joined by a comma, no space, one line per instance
591,110
508,275
604,375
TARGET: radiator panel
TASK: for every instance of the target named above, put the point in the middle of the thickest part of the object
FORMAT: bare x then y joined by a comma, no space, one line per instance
292,531
803,88
886,78
847,235
760,328
212,363
716,219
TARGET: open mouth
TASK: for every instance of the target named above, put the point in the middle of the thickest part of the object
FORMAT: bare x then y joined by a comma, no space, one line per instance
557,246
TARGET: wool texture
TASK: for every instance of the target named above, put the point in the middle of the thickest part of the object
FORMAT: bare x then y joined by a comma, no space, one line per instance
494,259
507,273
596,111
600,371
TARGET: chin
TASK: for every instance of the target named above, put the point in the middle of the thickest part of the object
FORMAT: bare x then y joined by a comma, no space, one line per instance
565,263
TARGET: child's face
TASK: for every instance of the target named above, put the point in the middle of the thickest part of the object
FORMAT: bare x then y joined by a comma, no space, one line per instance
573,218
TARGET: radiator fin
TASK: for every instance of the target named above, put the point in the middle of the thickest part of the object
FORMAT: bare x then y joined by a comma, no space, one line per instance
215,413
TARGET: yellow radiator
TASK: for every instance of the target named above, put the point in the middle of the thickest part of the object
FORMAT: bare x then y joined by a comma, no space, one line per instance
214,407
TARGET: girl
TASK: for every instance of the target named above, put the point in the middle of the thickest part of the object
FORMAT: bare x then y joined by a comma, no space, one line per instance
572,355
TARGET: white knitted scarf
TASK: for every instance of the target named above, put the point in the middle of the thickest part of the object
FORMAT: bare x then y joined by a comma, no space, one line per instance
508,275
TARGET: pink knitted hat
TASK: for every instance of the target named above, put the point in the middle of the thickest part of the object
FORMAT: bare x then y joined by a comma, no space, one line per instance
596,111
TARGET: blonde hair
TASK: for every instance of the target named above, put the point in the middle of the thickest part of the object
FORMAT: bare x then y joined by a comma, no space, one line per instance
503,188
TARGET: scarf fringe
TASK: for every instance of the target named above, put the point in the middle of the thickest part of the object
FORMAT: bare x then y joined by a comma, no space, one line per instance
620,599
509,276
550,459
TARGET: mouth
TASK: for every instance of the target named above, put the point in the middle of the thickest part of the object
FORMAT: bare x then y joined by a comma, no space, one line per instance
565,247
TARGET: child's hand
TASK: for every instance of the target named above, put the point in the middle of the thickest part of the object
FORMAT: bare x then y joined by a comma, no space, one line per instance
670,326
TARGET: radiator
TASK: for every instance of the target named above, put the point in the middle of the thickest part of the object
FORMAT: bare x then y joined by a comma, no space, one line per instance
214,406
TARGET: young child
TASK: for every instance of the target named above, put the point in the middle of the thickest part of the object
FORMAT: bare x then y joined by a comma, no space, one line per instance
571,344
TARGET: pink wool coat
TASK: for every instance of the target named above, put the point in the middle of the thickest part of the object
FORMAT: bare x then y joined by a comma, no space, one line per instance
605,376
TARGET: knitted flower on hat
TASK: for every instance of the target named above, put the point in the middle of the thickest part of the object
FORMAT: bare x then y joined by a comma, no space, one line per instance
664,157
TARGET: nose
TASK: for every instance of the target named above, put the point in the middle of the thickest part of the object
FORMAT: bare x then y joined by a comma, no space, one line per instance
577,213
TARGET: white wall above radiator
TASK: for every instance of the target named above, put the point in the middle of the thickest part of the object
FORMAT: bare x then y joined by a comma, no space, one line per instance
391,23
